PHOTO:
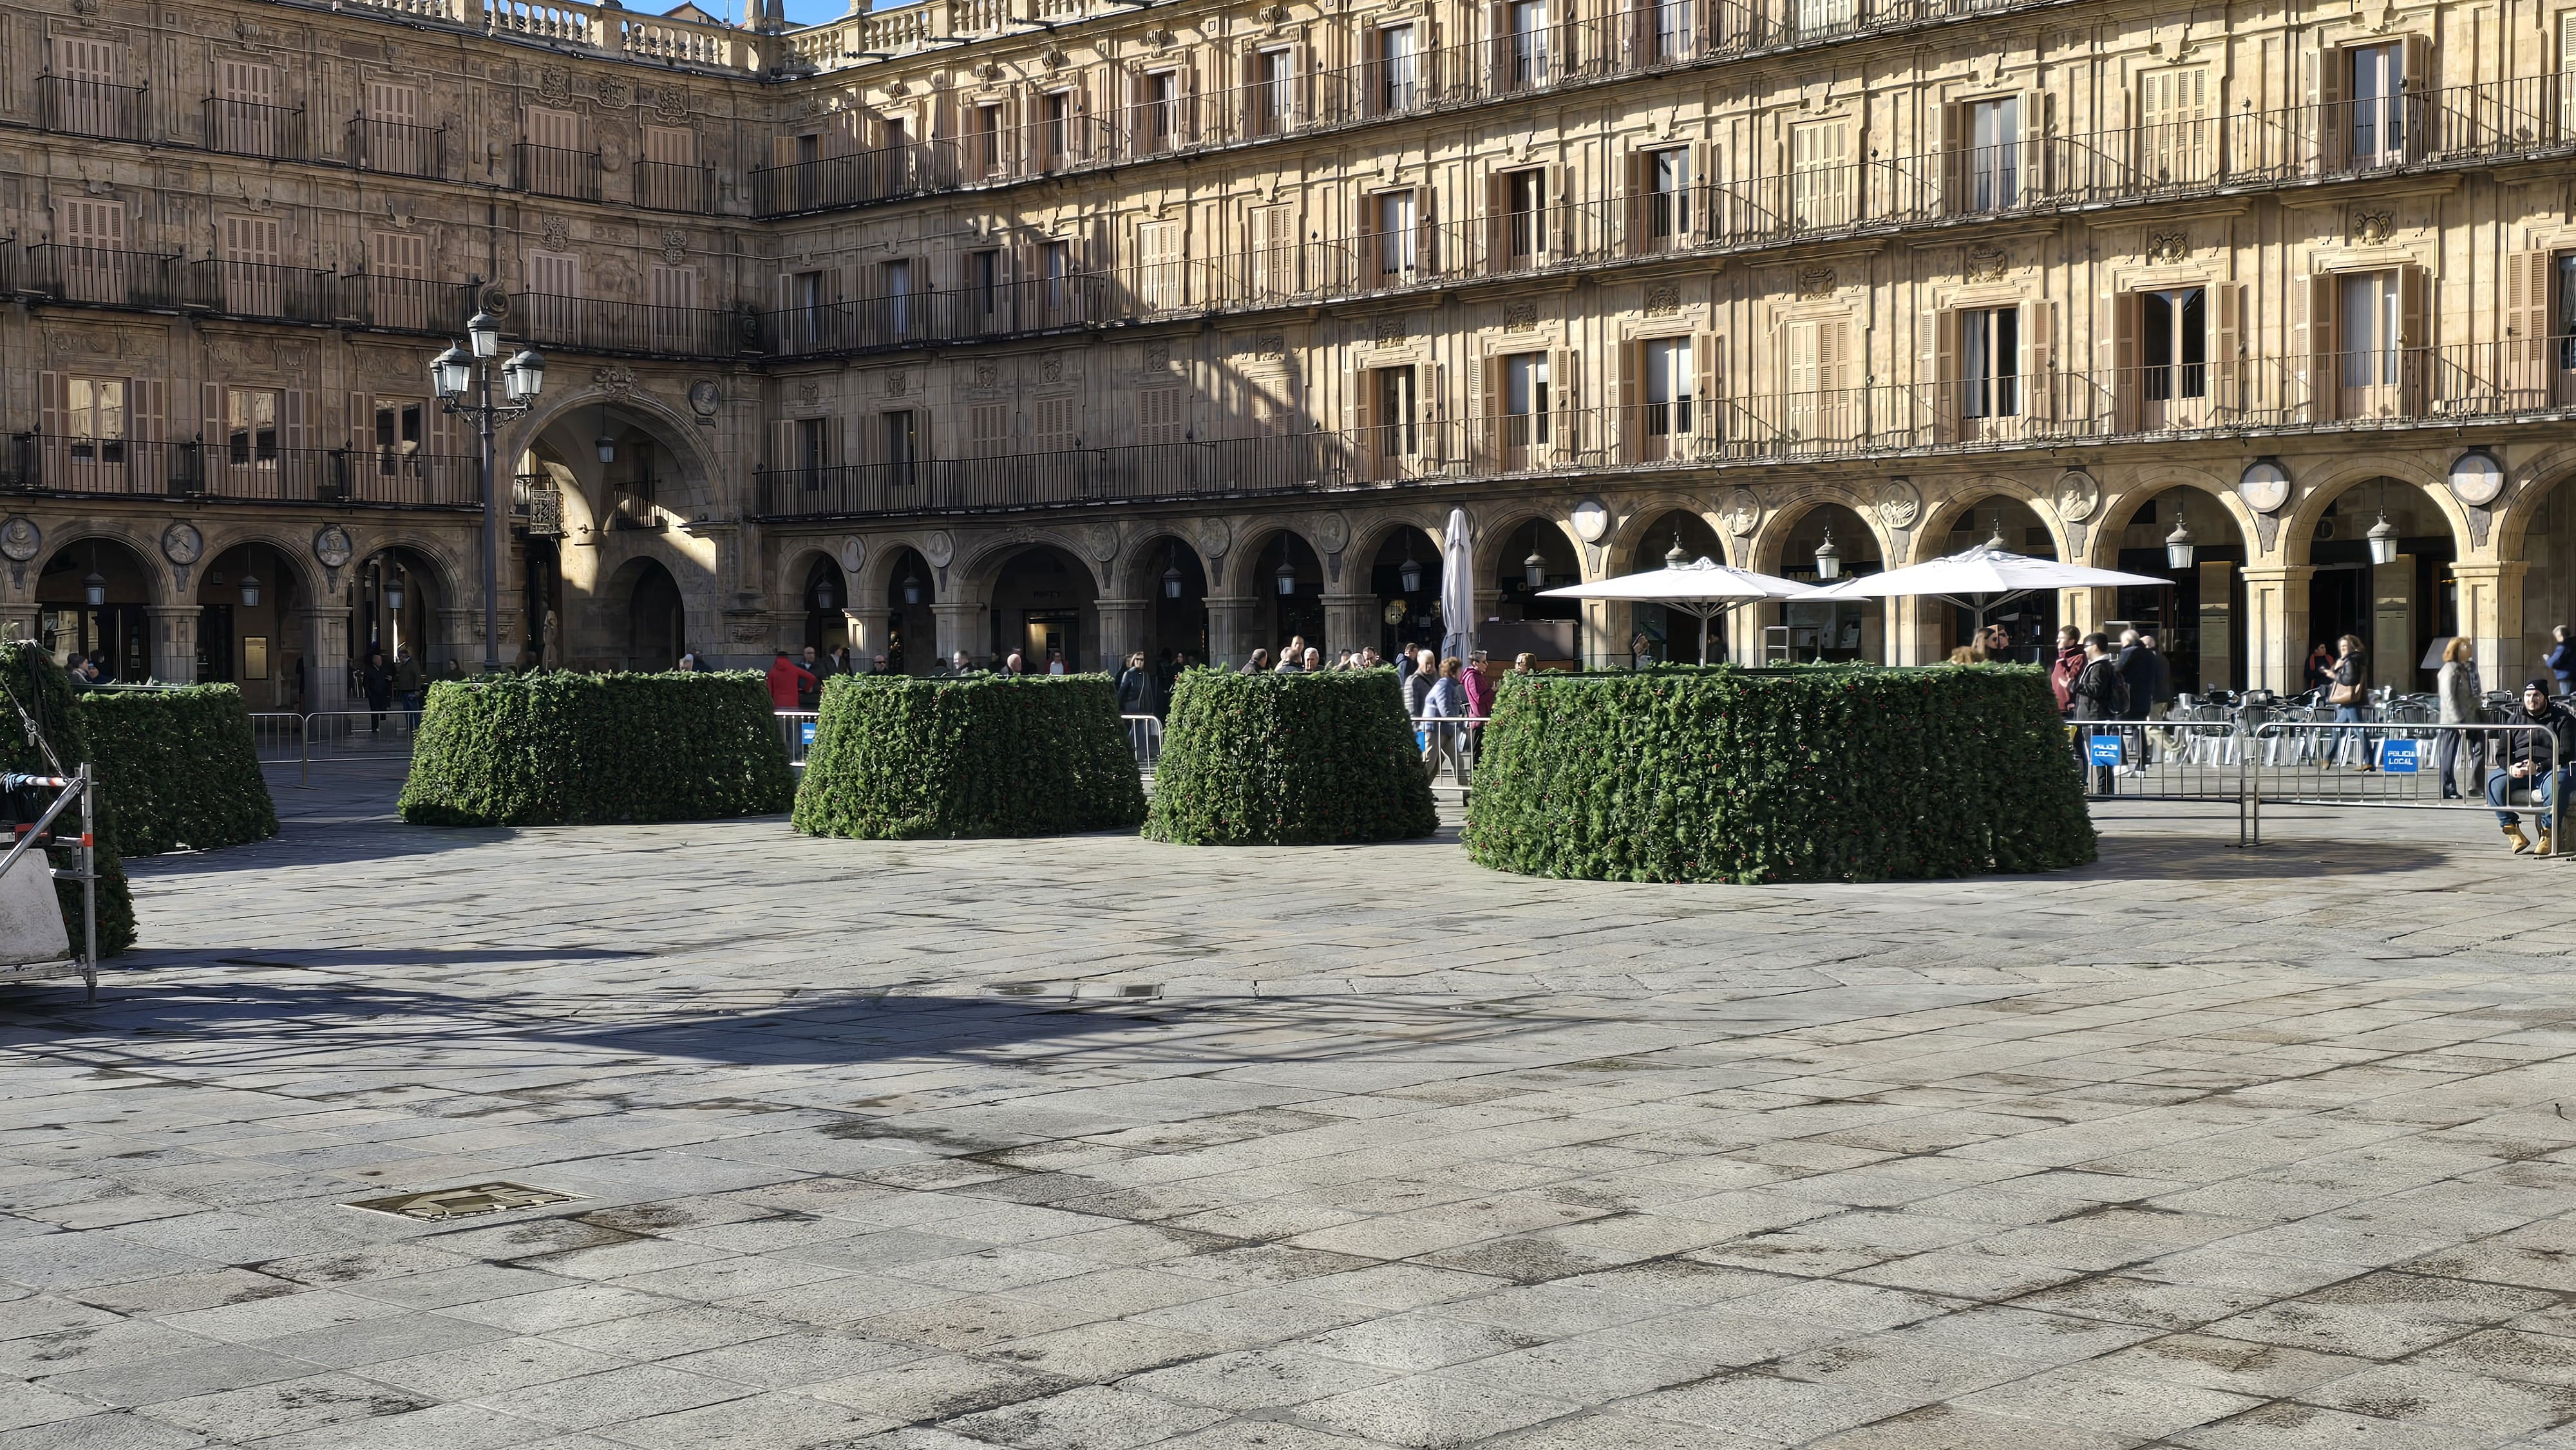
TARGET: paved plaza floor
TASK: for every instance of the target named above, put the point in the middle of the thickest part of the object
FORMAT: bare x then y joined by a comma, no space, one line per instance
1091,1143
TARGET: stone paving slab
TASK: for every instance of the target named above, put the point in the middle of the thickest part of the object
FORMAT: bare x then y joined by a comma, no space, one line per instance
1091,1144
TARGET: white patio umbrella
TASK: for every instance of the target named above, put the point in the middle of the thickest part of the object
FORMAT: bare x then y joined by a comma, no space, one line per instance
1979,579
1457,591
1697,587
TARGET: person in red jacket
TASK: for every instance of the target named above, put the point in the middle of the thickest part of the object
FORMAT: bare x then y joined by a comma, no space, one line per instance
787,679
2069,663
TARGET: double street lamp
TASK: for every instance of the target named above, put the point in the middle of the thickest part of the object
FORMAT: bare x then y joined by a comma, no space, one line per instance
465,370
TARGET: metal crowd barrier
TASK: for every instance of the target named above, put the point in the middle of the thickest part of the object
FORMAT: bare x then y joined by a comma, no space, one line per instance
797,728
2247,757
1145,737
1460,736
329,737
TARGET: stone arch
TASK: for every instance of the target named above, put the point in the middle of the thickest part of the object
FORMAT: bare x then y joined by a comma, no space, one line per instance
1642,512
1370,535
648,600
981,560
567,424
1242,558
2136,486
1941,511
139,538
1039,594
2532,591
2324,484
132,628
1853,629
270,646
1166,623
2348,593
1782,517
2528,487
2200,619
882,568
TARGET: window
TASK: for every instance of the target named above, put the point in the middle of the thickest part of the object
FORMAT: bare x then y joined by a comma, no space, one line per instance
988,429
813,443
1817,350
1528,43
1526,197
1819,16
1159,104
1158,271
1668,386
246,118
674,291
901,450
1158,416
1274,251
1990,362
1054,426
669,180
94,266
988,140
1057,264
2173,344
898,297
2370,328
250,426
1275,104
2378,83
94,418
393,138
1819,178
1396,435
554,282
2562,324
2176,145
1669,28
1668,198
1395,232
253,286
1398,75
1525,402
1991,169
1056,135
809,148
82,99
808,299
399,432
984,285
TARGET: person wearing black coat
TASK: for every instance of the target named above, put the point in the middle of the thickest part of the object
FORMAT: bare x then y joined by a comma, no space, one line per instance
2096,694
2540,758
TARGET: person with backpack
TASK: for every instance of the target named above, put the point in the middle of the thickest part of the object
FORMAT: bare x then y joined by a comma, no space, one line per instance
2099,692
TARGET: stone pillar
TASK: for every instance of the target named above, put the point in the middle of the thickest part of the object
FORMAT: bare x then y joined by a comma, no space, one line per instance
1350,621
964,626
326,657
2276,626
1233,624
2490,614
2087,609
1122,633
19,621
174,642
1912,626
460,638
868,631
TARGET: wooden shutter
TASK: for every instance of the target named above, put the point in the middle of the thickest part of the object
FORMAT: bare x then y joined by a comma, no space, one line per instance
2226,342
294,409
1631,422
2526,322
1565,400
1359,414
251,239
1498,47
2174,139
1634,185
2414,336
1704,385
1425,263
2128,387
51,394
2039,360
358,422
1949,184
2333,119
393,103
148,420
1703,181
2034,148
247,81
81,58
550,127
1560,197
670,146
2567,72
2314,338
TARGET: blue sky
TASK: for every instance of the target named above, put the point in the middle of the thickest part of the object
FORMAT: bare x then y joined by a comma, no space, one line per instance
809,12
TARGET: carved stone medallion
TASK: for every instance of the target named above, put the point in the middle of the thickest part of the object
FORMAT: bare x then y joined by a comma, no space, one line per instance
332,546
1332,533
939,548
182,544
705,397
1591,520
1899,503
2077,496
854,552
1741,513
20,538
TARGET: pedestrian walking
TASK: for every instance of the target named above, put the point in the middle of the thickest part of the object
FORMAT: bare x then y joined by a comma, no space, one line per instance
409,679
1417,686
2098,693
2536,758
2348,690
789,683
1444,701
1136,692
1479,688
2562,658
2462,703
376,683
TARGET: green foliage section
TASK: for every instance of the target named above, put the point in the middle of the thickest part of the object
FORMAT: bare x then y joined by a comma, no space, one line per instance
180,767
1275,759
46,691
563,749
1816,774
900,759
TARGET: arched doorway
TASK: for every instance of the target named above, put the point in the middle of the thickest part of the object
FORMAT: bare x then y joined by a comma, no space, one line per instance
1043,604
1828,629
91,602
1674,635
1176,623
394,609
2199,619
1404,574
657,621
2398,608
826,596
249,631
1534,557
910,638
1290,576
2030,621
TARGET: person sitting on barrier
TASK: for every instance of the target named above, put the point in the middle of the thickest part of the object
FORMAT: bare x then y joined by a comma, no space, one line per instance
2541,758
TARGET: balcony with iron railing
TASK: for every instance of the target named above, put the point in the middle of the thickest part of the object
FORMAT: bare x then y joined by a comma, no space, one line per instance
101,276
555,171
92,108
595,325
249,468
256,128
670,186
2533,119
398,148
268,292
2447,388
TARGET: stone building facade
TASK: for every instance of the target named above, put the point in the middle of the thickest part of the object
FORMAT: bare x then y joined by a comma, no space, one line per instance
1050,324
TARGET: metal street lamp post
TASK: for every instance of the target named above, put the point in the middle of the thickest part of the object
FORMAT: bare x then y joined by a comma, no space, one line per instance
454,374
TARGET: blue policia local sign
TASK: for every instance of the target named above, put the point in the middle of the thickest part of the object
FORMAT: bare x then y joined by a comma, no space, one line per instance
2103,749
805,733
2400,757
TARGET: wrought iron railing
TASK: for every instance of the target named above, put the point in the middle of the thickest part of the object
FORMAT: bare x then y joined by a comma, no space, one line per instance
256,128
397,148
251,467
91,108
595,325
555,171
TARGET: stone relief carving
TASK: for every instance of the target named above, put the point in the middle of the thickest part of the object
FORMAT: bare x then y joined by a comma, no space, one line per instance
1663,299
1900,503
2373,227
557,232
1741,513
1520,317
675,247
1987,264
2164,249
2077,496
1815,282
554,85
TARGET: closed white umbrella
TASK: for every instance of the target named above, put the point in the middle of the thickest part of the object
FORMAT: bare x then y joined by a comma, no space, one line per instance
1457,591
1983,578
1697,587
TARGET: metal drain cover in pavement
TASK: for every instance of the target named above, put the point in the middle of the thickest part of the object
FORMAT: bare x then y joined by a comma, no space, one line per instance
463,1202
